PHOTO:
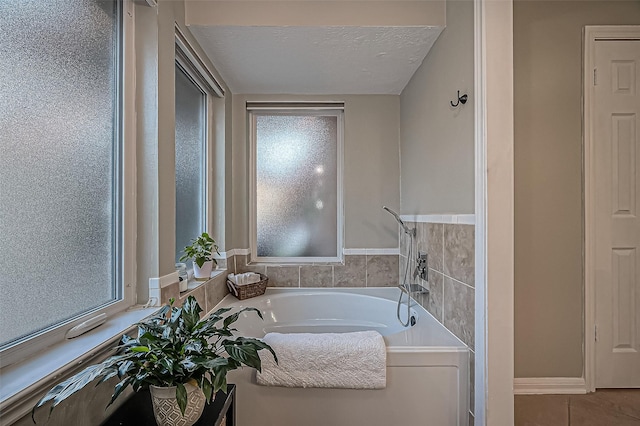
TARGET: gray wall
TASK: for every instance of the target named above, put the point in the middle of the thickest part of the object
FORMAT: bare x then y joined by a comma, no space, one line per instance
437,151
548,180
371,172
437,174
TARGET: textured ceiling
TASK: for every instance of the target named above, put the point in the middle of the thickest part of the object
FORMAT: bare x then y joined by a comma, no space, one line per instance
316,60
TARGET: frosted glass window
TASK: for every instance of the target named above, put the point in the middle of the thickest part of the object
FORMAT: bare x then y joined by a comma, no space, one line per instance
191,129
296,185
59,162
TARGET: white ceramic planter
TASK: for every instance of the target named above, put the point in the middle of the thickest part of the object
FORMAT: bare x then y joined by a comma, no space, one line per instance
204,273
165,405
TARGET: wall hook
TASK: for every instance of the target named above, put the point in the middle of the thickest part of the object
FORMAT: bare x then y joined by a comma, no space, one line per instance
461,100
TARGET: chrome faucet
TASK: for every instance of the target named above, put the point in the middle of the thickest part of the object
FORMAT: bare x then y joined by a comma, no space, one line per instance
421,267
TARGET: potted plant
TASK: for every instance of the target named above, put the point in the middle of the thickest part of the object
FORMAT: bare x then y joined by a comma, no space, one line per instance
182,359
200,251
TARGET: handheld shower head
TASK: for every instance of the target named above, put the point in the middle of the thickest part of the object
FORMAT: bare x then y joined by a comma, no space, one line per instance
404,227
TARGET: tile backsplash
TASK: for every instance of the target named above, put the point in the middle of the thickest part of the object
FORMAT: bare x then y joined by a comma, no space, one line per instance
451,263
377,270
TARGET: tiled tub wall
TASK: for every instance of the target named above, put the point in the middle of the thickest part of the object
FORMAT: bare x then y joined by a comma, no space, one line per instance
356,271
208,294
451,281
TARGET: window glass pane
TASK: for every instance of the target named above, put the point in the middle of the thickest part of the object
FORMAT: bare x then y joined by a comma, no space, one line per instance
296,188
59,144
190,160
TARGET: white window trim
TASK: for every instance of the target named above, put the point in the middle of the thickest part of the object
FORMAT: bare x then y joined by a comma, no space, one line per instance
183,44
298,108
56,333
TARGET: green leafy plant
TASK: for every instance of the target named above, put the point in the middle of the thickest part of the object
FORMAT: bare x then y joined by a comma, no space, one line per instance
200,250
173,347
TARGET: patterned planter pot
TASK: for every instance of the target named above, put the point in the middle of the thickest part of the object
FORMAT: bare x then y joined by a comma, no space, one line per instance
165,405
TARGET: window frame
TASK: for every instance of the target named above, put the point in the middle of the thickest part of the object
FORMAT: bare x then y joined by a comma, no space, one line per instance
193,66
124,204
295,109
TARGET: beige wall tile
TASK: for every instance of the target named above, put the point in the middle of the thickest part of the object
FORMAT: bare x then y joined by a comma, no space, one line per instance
433,301
459,252
352,274
231,265
215,290
283,276
199,294
243,265
382,270
402,269
316,276
434,241
459,308
170,291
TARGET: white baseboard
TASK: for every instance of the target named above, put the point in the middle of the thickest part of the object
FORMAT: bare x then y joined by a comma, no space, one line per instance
549,385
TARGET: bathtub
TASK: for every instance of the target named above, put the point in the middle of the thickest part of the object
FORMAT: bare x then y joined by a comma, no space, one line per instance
427,366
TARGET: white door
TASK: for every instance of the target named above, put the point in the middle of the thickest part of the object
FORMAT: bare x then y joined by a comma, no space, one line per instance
616,130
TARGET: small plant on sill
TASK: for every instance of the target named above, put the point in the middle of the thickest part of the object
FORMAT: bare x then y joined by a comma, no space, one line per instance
201,250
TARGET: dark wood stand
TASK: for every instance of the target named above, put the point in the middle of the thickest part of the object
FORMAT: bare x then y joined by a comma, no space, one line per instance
137,411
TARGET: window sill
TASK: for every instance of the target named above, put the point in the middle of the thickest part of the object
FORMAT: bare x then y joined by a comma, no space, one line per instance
193,284
22,384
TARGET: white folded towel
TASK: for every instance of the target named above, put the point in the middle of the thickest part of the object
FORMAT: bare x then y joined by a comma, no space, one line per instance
327,360
244,279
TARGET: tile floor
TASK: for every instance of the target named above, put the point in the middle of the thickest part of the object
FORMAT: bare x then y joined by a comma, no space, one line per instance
606,407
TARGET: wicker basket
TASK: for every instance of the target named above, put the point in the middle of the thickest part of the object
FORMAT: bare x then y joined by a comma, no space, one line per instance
249,290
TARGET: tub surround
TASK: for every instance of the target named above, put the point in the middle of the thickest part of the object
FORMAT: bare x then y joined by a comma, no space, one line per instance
427,366
356,270
451,253
450,244
207,293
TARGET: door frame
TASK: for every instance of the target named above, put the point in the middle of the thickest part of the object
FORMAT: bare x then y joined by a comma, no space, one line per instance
592,34
494,264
